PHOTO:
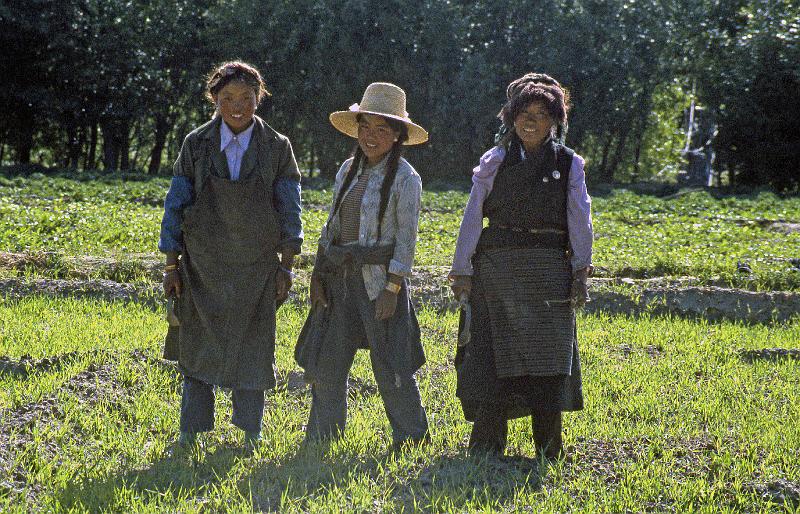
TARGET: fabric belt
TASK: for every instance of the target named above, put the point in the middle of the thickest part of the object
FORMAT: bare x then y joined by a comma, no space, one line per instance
531,230
356,255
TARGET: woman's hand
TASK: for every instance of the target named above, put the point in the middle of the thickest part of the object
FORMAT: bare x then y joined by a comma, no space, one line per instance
172,283
579,293
385,305
460,285
317,293
283,282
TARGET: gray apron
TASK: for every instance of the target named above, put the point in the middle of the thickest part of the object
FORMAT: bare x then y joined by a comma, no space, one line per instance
328,333
533,324
227,307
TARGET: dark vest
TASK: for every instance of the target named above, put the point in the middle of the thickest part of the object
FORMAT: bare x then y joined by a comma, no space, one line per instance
529,195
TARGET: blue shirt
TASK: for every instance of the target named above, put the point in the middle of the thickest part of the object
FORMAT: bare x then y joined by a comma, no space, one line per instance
285,199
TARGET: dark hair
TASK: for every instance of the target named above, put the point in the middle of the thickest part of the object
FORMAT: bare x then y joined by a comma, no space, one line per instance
391,169
235,71
536,88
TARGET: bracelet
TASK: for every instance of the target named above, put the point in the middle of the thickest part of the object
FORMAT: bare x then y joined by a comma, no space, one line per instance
287,271
392,287
171,267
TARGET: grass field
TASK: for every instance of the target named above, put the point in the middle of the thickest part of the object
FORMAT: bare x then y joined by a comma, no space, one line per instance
676,418
681,415
637,235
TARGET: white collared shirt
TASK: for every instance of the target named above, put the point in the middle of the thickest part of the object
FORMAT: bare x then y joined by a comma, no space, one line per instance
234,146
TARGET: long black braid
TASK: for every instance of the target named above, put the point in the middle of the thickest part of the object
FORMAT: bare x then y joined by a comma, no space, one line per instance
388,180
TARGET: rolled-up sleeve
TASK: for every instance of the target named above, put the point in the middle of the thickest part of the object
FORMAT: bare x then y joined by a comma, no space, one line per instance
579,216
408,207
286,199
179,196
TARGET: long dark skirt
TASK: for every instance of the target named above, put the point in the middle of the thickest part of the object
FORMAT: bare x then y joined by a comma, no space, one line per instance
478,383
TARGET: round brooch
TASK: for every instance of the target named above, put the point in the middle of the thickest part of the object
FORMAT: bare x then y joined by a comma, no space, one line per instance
556,174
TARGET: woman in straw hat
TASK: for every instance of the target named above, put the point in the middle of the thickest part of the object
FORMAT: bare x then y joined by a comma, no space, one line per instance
524,273
359,293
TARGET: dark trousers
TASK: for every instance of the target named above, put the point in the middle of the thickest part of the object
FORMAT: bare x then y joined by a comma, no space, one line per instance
197,407
490,431
400,394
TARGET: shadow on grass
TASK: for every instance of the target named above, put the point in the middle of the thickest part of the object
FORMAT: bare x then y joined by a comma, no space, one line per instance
412,480
179,471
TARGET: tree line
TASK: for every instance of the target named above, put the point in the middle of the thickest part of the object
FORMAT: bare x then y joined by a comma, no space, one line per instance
117,84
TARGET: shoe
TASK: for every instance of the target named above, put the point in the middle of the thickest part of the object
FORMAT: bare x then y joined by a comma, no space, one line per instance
187,439
251,441
411,442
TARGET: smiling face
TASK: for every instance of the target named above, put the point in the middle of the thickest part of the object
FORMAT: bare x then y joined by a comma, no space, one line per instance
375,137
533,125
236,103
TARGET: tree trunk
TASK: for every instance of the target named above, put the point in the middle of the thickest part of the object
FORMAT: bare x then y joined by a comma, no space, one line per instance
618,151
91,155
110,146
312,161
637,154
74,144
124,136
603,172
162,130
23,144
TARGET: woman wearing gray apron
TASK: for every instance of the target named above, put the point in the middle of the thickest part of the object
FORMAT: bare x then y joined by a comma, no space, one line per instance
232,207
523,275
359,292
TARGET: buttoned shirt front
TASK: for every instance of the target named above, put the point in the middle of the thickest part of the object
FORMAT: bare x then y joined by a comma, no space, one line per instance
400,222
234,146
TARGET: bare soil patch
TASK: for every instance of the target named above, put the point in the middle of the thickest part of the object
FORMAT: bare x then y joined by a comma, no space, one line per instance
429,287
780,491
26,365
785,227
770,354
18,426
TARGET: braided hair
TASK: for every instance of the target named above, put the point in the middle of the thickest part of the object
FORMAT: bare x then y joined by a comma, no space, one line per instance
391,171
529,88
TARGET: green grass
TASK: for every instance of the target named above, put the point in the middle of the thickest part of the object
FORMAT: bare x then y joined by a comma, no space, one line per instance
675,419
637,235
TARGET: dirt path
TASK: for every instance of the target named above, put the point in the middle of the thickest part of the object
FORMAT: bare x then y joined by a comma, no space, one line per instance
429,288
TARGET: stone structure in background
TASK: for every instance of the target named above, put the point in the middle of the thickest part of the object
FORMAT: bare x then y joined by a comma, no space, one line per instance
699,151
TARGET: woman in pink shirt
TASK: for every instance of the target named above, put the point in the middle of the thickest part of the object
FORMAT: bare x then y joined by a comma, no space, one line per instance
524,273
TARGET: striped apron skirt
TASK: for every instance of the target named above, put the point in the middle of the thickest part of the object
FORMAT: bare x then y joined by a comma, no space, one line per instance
523,348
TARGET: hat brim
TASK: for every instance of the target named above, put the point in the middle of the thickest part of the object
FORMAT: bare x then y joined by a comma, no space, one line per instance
346,123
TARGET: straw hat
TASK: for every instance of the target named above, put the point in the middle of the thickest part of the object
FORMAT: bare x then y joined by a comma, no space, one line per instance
383,99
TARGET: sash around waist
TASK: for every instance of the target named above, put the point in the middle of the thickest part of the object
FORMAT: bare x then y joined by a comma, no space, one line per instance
497,235
337,256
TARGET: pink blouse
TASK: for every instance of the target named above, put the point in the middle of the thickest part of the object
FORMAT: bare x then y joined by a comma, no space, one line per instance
579,213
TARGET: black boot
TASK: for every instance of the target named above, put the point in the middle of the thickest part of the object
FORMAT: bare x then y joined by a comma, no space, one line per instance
489,432
547,434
